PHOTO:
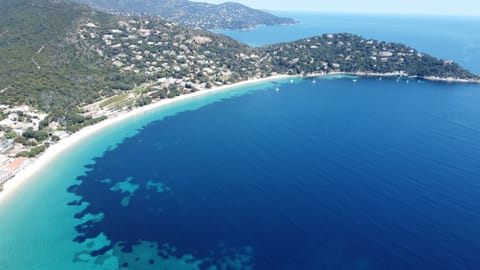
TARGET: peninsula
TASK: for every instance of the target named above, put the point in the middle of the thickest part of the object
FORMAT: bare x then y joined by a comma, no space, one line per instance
229,15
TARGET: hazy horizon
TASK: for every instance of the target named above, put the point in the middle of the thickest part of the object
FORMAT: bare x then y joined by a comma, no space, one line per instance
428,7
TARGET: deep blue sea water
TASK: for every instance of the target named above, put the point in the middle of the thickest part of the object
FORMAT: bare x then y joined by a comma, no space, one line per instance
332,174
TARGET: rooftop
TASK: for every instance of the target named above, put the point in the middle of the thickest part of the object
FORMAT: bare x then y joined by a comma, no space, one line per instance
17,163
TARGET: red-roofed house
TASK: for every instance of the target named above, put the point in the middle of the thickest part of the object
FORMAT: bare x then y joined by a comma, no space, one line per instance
17,165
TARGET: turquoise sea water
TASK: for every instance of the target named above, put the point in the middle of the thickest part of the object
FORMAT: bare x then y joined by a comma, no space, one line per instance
336,174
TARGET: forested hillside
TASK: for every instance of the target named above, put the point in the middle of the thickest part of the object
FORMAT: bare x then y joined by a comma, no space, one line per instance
56,56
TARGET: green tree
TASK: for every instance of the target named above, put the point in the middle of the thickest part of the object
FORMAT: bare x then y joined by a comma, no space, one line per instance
21,139
10,135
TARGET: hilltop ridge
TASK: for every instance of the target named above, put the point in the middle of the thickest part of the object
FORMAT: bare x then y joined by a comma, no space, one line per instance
229,15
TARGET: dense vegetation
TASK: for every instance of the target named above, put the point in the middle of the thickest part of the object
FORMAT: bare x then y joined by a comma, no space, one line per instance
40,64
57,56
197,14
352,53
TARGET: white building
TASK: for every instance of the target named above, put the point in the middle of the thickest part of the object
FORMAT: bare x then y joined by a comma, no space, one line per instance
5,175
4,160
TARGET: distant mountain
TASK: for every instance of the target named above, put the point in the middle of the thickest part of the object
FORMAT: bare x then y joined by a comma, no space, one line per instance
203,15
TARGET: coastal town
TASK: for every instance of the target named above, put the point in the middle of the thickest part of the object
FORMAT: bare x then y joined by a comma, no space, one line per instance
16,149
25,133
172,60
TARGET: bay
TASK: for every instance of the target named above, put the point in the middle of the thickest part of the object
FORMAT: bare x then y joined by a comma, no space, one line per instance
326,173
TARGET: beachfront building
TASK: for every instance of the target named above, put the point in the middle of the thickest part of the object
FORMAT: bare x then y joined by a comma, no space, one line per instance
4,160
4,176
18,165
11,169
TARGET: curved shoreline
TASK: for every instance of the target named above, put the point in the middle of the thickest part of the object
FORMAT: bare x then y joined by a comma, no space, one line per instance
396,74
13,184
53,151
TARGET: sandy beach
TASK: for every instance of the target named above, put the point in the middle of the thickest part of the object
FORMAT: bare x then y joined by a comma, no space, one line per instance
23,177
53,151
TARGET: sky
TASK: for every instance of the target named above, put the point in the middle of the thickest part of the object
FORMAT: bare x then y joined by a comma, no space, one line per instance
431,7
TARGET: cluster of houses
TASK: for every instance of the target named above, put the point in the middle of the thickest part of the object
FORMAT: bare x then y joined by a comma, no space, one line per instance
18,120
21,118
152,48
